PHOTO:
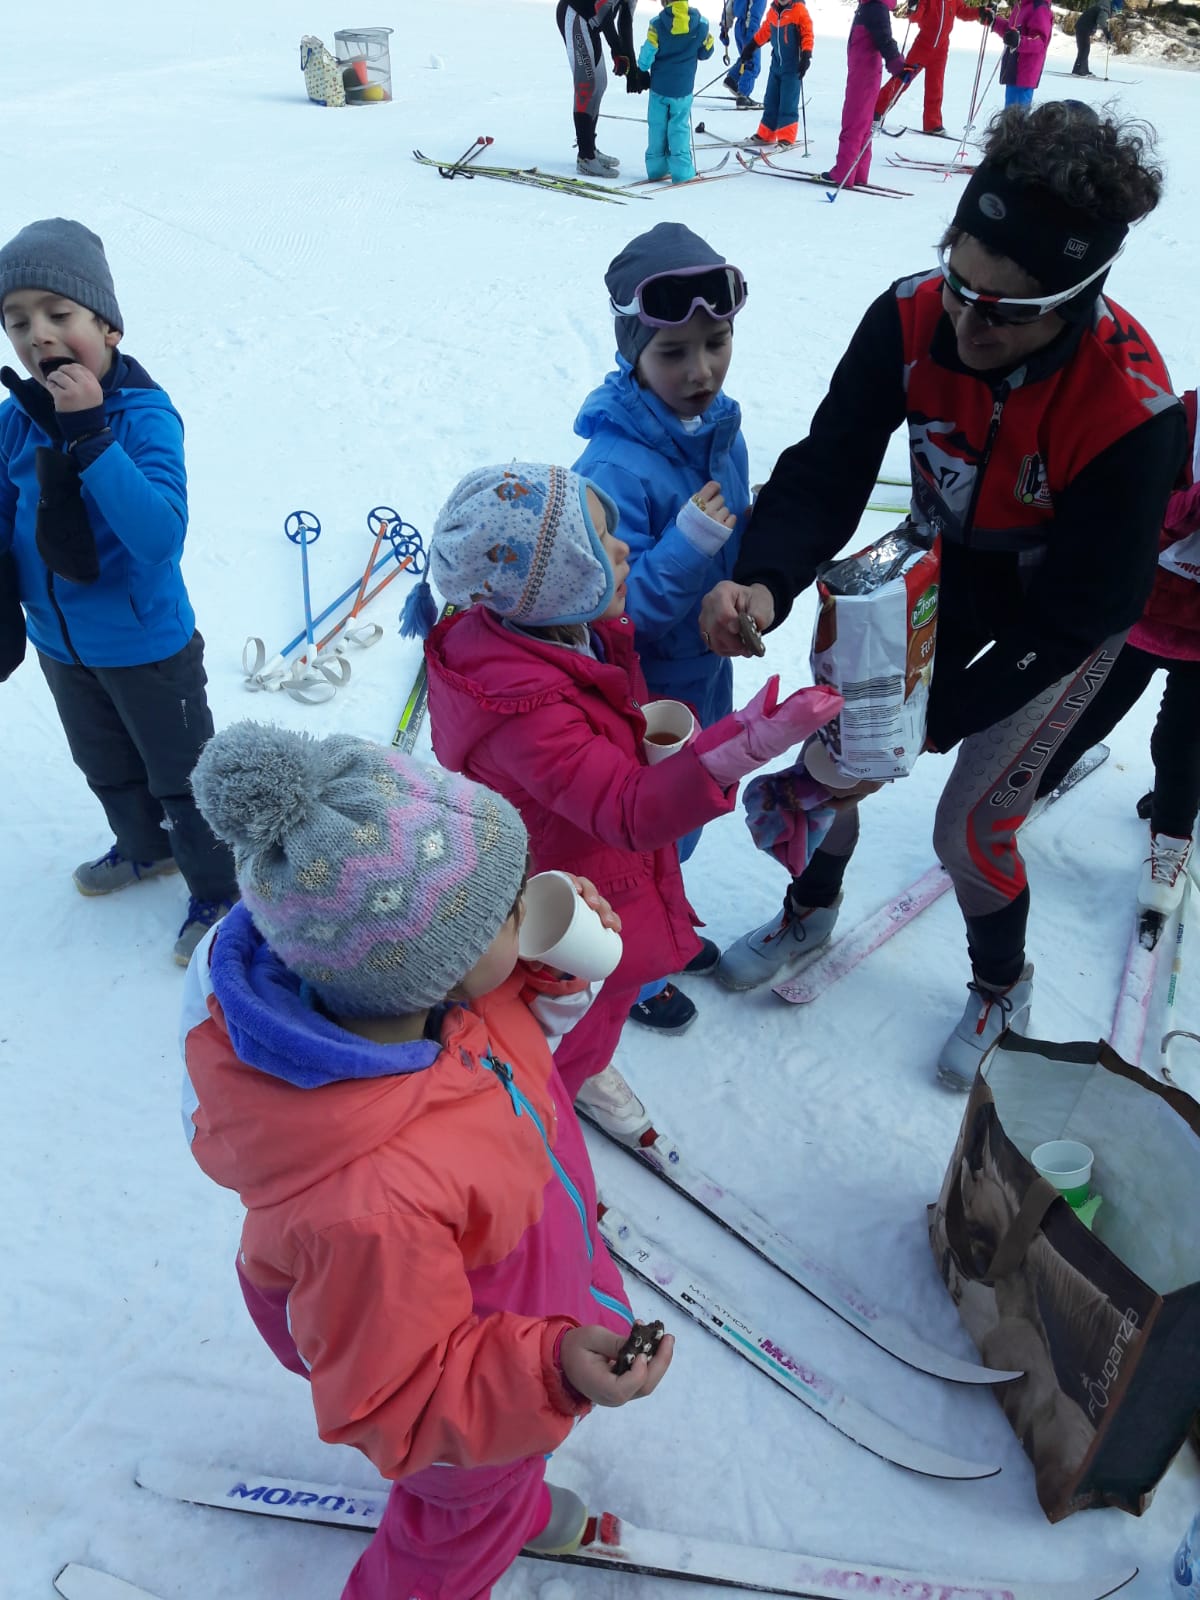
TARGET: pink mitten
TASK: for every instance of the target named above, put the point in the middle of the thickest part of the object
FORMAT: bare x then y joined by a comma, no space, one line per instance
762,730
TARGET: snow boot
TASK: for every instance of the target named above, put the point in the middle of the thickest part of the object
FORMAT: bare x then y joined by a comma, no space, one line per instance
704,963
1145,806
114,871
593,167
201,914
986,1015
743,102
563,1534
611,162
1164,876
766,953
668,1011
609,1101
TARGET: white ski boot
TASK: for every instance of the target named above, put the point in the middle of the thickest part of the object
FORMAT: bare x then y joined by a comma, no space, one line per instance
611,1103
594,167
762,955
564,1532
1164,876
611,162
988,1012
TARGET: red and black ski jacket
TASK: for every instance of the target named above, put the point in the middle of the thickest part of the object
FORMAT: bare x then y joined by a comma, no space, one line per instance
1048,485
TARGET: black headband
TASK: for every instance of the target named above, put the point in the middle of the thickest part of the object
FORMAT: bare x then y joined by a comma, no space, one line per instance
1054,242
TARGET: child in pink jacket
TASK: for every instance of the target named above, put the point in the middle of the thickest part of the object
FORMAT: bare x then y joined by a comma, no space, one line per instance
535,690
368,1067
1026,33
869,49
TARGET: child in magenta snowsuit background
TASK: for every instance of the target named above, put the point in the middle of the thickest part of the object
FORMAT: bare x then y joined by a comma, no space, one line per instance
869,50
369,1067
1021,68
535,691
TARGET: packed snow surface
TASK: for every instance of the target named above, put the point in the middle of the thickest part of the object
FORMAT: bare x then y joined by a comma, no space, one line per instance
340,328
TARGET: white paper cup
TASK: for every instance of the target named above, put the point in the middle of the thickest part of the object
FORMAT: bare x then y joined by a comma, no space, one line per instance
561,929
1066,1164
669,726
819,764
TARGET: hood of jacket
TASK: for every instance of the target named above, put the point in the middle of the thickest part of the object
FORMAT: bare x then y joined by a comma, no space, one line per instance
623,404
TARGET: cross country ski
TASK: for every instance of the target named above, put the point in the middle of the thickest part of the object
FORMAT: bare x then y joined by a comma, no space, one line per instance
611,1543
75,1582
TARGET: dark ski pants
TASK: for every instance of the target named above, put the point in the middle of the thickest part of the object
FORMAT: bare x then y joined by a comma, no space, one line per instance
1174,744
1084,29
589,75
136,733
984,803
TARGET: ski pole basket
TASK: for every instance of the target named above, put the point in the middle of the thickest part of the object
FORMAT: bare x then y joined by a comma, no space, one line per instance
365,62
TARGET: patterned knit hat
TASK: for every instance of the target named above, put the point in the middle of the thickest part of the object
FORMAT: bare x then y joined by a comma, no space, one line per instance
378,880
61,257
520,540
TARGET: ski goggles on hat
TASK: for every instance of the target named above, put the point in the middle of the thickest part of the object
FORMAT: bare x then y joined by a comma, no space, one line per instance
668,299
1005,311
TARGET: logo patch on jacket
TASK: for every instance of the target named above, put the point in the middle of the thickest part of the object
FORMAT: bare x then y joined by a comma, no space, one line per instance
1032,487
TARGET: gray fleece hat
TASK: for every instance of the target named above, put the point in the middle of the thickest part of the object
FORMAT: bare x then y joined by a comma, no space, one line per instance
61,257
668,247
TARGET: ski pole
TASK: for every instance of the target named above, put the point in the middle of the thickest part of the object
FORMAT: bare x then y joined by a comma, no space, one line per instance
804,116
1171,1034
961,152
978,75
475,149
303,528
831,197
708,85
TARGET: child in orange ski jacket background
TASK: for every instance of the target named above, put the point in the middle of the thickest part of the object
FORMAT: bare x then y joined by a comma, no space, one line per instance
789,27
368,1066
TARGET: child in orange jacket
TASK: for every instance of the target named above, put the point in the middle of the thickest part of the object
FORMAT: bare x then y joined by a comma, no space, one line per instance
368,1067
789,27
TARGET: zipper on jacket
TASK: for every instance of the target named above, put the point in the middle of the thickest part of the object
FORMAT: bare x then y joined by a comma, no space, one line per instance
62,621
1001,395
521,1104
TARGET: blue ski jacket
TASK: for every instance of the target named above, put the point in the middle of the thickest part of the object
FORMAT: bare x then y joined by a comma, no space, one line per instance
135,492
641,454
676,41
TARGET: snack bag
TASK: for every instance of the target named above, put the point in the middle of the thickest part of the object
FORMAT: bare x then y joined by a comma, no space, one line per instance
874,644
322,75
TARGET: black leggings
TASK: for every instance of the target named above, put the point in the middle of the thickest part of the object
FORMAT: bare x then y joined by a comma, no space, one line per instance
1174,744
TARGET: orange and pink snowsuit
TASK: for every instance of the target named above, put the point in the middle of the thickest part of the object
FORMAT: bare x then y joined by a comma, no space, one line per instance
420,1232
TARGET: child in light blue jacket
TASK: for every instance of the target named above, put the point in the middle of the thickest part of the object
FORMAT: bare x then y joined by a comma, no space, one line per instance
665,443
677,41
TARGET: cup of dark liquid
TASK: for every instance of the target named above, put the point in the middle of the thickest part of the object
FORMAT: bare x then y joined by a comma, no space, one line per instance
669,726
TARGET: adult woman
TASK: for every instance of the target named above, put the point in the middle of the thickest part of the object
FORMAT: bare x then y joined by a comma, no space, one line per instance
1044,441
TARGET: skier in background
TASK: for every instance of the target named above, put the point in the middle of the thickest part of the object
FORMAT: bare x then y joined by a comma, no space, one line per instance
1044,441
928,52
1096,18
1166,639
789,27
743,18
1026,34
582,24
678,39
869,49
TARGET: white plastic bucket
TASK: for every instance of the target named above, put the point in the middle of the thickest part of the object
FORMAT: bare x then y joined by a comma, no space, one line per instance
365,60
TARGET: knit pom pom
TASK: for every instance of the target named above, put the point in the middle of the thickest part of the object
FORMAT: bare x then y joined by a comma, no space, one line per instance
255,783
419,616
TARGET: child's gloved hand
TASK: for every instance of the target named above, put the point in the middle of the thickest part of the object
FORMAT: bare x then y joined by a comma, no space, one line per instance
1012,38
74,388
63,531
898,68
586,1356
705,521
762,730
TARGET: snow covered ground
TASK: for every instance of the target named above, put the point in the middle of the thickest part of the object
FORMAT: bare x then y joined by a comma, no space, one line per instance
340,328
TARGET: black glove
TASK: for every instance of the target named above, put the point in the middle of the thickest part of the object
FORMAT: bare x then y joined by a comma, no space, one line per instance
637,81
805,61
1012,38
12,618
64,535
746,57
987,15
621,65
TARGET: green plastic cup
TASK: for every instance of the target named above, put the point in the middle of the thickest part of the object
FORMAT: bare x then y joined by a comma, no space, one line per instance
1067,1164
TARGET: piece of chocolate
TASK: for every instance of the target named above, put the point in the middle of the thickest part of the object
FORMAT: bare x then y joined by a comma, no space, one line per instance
751,638
644,1340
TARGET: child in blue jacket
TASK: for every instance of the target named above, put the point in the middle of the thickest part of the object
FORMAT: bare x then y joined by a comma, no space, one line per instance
665,443
93,510
677,41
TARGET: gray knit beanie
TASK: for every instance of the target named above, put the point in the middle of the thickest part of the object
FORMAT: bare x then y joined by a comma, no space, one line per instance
520,540
668,247
61,257
377,879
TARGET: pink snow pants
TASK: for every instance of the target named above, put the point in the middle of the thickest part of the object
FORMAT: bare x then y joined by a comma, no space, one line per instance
449,1533
864,73
591,1043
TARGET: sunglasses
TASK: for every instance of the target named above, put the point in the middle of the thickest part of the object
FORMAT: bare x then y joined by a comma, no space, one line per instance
1002,311
668,299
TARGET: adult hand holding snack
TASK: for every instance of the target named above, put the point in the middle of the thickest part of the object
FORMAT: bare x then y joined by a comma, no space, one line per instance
722,609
